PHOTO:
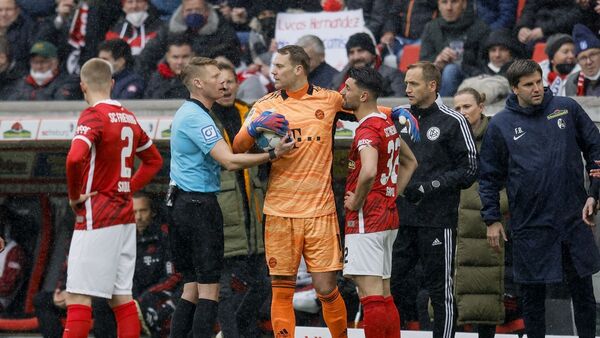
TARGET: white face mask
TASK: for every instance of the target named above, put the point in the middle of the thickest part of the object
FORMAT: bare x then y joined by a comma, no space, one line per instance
137,18
593,78
41,77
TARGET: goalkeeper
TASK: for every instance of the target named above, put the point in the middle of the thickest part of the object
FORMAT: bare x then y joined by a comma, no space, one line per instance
300,211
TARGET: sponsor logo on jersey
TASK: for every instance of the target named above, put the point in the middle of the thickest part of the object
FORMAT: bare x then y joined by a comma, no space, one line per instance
390,131
364,142
82,129
351,165
557,113
433,133
319,114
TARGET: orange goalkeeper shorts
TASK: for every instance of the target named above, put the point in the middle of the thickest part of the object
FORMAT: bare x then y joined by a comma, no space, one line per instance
317,239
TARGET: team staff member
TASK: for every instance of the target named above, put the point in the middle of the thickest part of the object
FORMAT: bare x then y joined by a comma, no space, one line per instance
447,160
380,166
198,152
534,148
100,182
299,205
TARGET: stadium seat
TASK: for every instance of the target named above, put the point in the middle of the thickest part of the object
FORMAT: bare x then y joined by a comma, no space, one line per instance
520,6
539,54
410,55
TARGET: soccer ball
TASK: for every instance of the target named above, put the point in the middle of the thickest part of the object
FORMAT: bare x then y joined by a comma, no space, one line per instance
267,140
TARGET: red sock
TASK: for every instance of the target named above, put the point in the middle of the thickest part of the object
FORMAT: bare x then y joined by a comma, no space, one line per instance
79,321
375,316
128,323
393,328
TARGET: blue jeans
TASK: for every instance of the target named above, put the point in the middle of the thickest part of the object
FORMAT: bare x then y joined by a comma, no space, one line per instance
452,77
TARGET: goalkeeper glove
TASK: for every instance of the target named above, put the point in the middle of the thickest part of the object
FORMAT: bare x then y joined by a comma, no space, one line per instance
268,121
405,118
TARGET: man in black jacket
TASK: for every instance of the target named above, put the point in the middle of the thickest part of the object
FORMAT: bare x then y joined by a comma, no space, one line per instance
164,82
447,160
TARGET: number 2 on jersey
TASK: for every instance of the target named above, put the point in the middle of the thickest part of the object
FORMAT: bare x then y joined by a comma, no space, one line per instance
126,134
393,162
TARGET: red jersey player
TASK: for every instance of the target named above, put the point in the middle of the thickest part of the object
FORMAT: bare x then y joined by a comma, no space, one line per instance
380,166
101,181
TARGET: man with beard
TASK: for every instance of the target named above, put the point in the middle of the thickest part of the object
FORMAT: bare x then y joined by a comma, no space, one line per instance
361,53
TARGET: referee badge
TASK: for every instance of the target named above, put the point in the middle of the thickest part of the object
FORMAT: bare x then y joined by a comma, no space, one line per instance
210,134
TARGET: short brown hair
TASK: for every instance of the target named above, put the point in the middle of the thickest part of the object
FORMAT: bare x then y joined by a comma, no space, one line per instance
96,74
520,68
430,72
192,69
297,55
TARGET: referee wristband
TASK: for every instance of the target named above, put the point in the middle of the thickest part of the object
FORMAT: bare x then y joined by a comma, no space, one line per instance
272,154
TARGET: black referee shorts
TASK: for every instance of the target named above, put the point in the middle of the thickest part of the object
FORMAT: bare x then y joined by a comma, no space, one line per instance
196,236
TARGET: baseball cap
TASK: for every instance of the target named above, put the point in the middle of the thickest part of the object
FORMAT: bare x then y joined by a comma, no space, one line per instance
43,49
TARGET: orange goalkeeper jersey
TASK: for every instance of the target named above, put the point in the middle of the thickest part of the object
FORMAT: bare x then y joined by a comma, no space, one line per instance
300,181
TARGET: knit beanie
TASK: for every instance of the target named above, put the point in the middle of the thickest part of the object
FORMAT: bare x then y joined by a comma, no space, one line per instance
584,39
554,43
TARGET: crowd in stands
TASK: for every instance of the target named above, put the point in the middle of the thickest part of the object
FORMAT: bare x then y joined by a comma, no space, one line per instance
44,42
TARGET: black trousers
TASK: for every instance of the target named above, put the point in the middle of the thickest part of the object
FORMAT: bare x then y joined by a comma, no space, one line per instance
434,248
582,293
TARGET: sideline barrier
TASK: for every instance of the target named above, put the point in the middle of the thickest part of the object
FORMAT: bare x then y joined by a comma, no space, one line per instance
322,332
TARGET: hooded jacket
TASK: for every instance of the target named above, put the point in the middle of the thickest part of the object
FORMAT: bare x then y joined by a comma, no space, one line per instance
438,34
501,37
536,153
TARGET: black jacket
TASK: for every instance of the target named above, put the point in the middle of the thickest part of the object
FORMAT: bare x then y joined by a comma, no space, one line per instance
408,18
9,78
323,75
63,87
438,34
21,37
552,16
163,85
447,158
374,12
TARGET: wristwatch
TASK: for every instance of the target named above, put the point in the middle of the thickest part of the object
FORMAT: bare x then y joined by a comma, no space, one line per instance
272,154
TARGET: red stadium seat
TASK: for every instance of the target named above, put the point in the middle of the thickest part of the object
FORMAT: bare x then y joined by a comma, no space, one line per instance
410,55
539,54
520,6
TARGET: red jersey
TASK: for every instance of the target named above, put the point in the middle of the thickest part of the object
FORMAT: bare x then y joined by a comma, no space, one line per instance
114,137
379,212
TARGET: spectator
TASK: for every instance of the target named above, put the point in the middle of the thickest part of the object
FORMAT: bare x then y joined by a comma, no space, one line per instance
534,148
236,13
262,27
137,27
209,35
590,12
361,53
453,42
13,262
407,20
37,9
542,18
587,49
128,84
560,64
321,73
374,13
9,70
165,82
447,160
256,79
18,30
244,280
155,279
501,48
478,303
497,14
45,80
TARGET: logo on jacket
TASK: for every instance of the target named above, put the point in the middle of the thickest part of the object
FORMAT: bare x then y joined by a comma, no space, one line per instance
433,133
518,133
557,113
436,242
561,123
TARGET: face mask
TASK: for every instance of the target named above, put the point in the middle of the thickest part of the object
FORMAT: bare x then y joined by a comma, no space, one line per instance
267,26
195,21
41,77
137,18
565,68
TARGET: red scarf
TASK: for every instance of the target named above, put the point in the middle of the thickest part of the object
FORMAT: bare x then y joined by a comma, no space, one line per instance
78,26
580,84
165,71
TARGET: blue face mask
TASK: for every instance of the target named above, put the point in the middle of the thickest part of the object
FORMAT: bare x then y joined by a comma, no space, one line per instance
195,21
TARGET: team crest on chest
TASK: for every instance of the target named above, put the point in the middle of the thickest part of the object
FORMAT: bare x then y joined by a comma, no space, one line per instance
561,123
433,133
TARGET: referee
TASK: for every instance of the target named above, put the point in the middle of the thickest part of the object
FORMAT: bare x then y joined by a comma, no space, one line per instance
197,153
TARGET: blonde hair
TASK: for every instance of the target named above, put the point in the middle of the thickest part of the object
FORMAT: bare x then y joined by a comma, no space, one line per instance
193,69
479,97
97,74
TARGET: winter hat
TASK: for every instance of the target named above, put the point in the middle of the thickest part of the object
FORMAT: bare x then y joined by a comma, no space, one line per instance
362,40
554,43
584,39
